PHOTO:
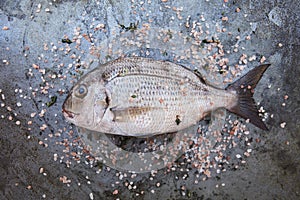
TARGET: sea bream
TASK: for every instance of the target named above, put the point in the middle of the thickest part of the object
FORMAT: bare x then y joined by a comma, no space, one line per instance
137,96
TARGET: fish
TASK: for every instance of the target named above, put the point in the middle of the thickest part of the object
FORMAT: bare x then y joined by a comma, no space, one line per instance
136,96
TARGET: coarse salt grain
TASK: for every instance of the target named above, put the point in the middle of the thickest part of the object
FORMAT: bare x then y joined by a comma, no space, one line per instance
283,124
55,156
224,18
64,179
42,112
91,196
115,192
35,66
263,59
252,58
247,154
43,127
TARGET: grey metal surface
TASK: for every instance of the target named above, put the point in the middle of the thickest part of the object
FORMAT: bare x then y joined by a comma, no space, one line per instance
36,159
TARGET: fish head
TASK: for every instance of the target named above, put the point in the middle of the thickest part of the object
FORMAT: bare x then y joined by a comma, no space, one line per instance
86,103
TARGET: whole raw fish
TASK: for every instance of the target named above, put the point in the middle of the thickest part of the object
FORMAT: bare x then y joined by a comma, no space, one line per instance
140,96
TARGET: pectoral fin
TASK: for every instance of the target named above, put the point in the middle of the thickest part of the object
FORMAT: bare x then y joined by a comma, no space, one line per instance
130,114
137,120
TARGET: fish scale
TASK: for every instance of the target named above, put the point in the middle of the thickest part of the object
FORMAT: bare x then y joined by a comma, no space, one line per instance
165,99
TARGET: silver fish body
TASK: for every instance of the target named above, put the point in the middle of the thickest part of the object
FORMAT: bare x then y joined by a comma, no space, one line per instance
140,97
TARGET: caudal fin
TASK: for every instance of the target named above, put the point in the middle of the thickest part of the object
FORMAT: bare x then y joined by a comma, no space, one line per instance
244,87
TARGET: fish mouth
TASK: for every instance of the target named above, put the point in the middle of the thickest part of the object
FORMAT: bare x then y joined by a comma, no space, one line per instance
65,108
69,114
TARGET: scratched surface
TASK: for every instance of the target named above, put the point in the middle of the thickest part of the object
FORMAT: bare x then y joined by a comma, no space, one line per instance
28,169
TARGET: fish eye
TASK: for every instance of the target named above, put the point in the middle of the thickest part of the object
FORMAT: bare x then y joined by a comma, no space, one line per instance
81,91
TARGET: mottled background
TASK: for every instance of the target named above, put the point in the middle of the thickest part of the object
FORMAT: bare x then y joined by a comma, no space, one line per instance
30,37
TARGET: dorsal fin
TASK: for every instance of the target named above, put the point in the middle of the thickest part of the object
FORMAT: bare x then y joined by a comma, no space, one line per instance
199,75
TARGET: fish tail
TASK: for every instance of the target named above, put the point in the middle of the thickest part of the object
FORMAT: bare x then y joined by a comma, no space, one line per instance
244,87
